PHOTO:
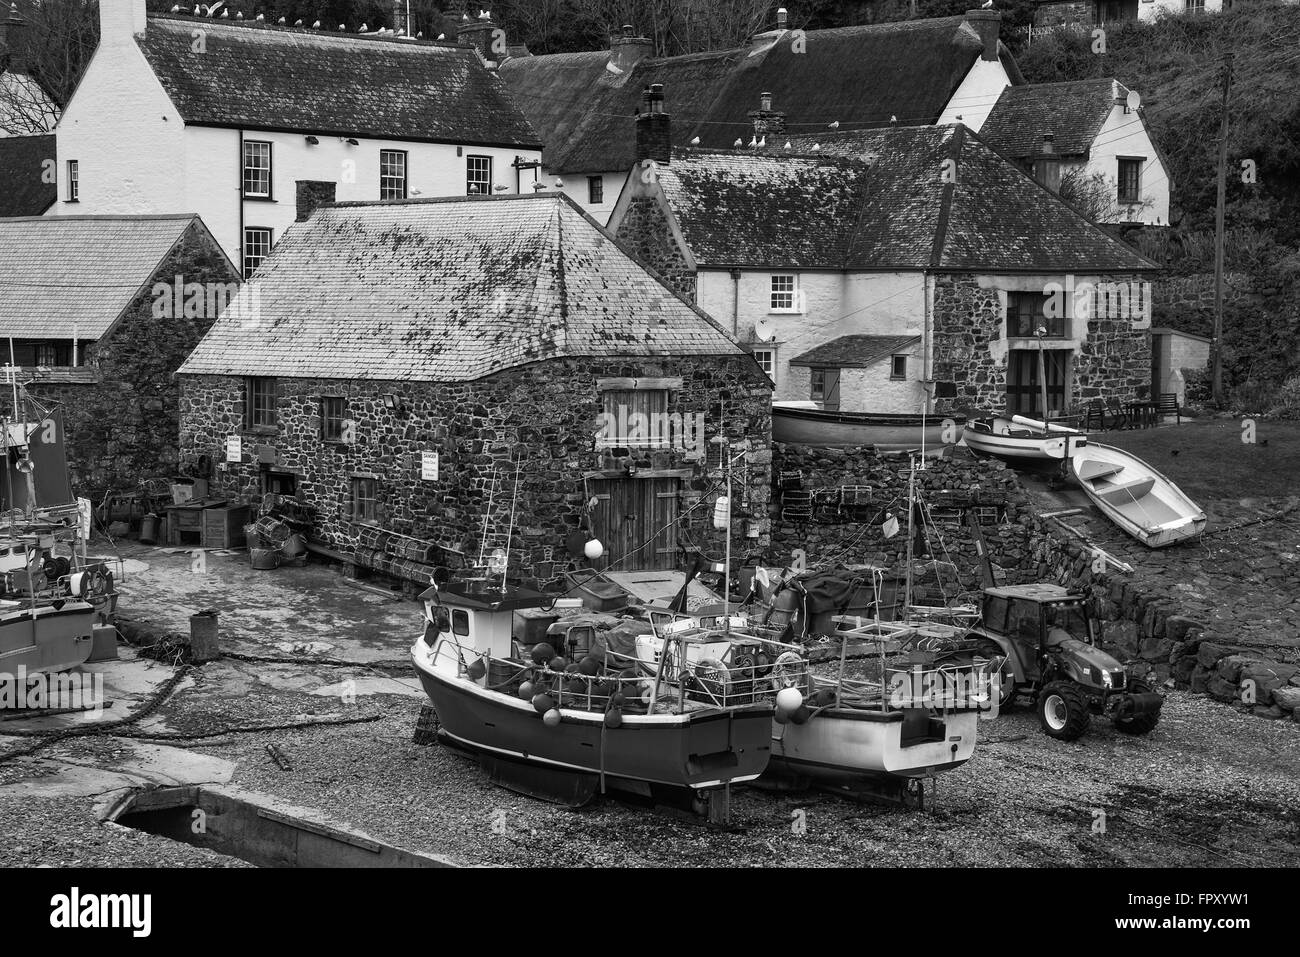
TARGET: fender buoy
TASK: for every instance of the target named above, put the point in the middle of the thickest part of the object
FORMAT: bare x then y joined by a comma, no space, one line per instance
789,671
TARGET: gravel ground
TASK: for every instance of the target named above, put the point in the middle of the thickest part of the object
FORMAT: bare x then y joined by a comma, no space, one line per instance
1209,788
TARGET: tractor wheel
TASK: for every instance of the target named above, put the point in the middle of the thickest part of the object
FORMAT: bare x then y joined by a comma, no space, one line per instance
991,651
1139,723
1063,711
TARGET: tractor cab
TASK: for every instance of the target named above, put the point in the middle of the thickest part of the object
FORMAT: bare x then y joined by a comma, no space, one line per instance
1031,619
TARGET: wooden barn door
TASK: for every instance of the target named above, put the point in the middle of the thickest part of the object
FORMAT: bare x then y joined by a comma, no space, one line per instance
635,512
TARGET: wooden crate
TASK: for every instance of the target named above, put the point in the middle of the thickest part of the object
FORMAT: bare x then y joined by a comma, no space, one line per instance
223,526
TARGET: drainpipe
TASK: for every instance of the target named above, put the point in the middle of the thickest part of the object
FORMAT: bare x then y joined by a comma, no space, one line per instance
735,301
927,373
239,193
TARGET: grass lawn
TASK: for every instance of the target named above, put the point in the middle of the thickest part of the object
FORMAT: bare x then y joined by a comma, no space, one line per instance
1209,461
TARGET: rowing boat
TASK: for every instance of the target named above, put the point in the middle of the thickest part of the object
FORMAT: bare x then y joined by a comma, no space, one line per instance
1135,496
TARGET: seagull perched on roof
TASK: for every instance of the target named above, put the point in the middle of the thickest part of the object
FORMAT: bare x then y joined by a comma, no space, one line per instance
365,28
986,5
197,11
225,14
695,141
739,143
297,23
893,117
239,14
816,147
787,144
316,25
260,18
753,141
762,143
281,21
176,9
835,125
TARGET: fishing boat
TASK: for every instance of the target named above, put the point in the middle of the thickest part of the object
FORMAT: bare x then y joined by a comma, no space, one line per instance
678,719
52,593
1018,439
1136,497
805,424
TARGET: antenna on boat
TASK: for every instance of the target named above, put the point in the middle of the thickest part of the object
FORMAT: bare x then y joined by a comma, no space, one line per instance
1042,378
911,533
510,529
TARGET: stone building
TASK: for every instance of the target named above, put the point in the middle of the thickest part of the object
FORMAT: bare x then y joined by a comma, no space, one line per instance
432,368
893,270
100,311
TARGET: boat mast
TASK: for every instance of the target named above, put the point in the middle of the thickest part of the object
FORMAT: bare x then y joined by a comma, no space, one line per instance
911,506
726,571
1042,376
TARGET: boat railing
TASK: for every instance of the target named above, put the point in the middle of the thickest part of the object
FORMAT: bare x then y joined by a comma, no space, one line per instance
690,672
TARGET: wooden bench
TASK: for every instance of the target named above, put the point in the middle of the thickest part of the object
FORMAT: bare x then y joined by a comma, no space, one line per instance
1168,405
1128,491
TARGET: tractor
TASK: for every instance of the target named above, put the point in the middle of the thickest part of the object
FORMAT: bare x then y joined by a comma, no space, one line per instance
1043,644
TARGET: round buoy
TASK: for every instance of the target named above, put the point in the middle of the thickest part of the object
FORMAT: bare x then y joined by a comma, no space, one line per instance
824,698
613,718
543,703
558,663
526,691
551,718
573,668
477,670
617,699
800,714
788,700
542,653
781,717
589,665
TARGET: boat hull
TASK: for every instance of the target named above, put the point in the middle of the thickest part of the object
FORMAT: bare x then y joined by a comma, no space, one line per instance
848,429
1158,515
841,746
998,441
48,639
703,749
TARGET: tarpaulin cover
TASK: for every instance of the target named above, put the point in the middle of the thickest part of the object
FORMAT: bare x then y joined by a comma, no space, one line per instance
834,591
49,476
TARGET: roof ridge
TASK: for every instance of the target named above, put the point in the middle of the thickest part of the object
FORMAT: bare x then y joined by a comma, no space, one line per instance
101,217
289,30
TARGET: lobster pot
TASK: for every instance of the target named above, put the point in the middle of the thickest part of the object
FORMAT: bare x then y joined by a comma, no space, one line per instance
264,558
372,537
504,676
272,531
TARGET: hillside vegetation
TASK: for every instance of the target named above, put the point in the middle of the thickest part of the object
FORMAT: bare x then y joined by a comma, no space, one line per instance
1177,65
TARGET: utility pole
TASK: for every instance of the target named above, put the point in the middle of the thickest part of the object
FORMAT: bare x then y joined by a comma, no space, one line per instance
1217,345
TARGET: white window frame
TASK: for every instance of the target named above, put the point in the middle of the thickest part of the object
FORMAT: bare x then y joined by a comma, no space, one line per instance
595,184
74,181
257,169
768,365
390,181
245,255
893,367
777,288
470,181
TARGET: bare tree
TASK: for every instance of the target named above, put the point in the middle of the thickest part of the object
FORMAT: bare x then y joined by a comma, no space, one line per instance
46,61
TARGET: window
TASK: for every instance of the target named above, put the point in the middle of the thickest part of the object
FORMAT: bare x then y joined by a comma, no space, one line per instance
257,169
259,403
392,174
460,621
1194,6
478,175
363,499
257,246
52,354
634,419
898,367
74,181
595,190
1130,180
1027,311
766,359
783,294
332,410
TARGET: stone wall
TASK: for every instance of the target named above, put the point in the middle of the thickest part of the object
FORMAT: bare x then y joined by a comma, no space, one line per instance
1111,361
546,412
123,428
645,230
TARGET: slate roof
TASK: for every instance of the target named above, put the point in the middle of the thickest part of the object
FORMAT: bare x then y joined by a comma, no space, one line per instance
67,275
877,200
312,81
860,76
448,290
23,191
854,352
1072,111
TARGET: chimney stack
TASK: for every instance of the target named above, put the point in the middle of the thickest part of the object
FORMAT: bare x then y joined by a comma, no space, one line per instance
481,33
766,120
310,194
782,18
627,50
653,128
13,37
1047,165
120,21
987,23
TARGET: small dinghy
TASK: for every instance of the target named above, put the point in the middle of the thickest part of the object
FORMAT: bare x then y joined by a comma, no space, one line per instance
1135,496
1018,439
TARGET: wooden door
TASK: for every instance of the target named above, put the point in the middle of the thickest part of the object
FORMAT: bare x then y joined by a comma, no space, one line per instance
1023,395
635,519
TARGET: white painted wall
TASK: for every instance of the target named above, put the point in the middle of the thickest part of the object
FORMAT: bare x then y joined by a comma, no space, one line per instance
974,99
835,304
136,156
1124,134
214,175
1153,9
575,187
